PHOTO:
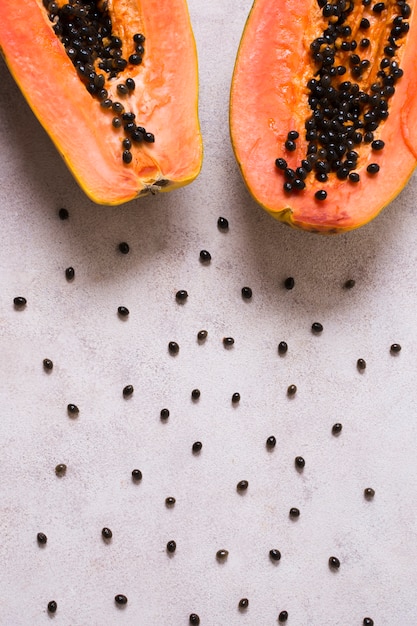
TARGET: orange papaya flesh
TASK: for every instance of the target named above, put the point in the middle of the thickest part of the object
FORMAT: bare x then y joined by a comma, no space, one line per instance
330,88
114,83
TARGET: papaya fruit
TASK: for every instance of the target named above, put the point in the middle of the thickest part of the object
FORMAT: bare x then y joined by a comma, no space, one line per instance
323,108
115,85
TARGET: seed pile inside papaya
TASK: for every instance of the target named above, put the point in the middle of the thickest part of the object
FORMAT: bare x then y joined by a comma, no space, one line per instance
323,115
114,83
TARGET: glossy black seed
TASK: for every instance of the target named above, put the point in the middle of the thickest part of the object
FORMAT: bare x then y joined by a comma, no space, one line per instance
221,555
128,391
242,485
170,501
228,342
138,38
377,144
292,390
181,295
173,348
334,562
299,462
124,247
19,302
289,283
283,616
395,347
364,23
135,59
271,442
47,364
63,214
136,475
361,364
378,7
123,311
321,194
369,493
243,603
41,538
236,397
73,410
337,429
149,138
116,122
164,414
52,606
316,327
126,143
372,168
70,273
106,103
281,164
130,84
368,621
287,187
202,335
293,134
222,223
354,177
122,90
127,156
275,554
294,512
197,447
350,283
106,533
282,347
205,256
195,394
171,546
290,145
298,184
120,599
246,293
60,469
194,619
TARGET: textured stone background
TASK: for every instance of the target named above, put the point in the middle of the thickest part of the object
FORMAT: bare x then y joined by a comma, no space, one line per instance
95,355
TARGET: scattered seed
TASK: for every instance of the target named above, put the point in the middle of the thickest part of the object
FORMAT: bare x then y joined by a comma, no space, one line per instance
181,295
136,475
223,223
334,562
123,311
316,327
128,391
19,302
292,390
242,485
63,214
171,546
170,501
236,397
70,273
228,342
197,446
395,348
349,283
275,554
320,195
294,512
195,394
194,619
124,247
106,533
282,347
243,604
289,283
73,410
52,606
368,621
47,364
271,442
246,293
205,256
173,348
372,168
369,493
164,414
283,616
61,469
337,429
202,335
221,555
120,599
41,538
361,364
299,462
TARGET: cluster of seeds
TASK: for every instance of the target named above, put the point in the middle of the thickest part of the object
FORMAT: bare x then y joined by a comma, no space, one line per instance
349,92
85,30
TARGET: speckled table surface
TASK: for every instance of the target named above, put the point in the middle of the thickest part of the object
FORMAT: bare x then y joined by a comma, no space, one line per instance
96,354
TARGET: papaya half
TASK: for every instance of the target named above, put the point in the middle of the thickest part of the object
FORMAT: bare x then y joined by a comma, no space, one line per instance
323,108
115,85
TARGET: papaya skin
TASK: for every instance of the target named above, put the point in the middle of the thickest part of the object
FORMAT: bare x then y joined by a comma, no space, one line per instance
165,99
269,97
